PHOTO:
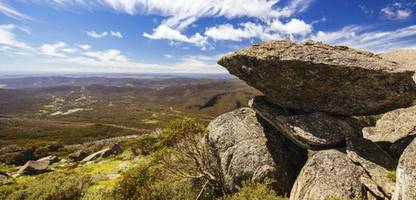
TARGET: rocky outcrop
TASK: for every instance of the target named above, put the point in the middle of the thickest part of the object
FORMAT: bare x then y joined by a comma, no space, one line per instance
242,147
15,155
328,174
77,155
33,167
312,131
313,77
50,159
112,150
393,126
375,161
406,174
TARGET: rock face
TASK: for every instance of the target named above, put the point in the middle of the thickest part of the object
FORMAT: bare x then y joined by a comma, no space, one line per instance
77,155
393,126
328,173
375,161
406,174
243,147
33,167
112,150
311,131
314,77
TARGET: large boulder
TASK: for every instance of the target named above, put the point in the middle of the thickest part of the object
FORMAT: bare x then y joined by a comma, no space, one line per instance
112,150
16,155
328,174
313,76
406,174
241,146
393,126
374,160
33,167
78,155
312,131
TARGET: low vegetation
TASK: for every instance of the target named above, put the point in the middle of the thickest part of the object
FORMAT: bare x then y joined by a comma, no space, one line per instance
166,166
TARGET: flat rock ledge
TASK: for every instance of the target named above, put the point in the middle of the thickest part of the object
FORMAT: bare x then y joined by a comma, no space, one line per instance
315,77
314,131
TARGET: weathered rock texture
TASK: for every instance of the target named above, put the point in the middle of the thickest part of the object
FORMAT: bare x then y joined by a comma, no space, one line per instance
243,147
406,57
33,167
312,131
393,126
406,175
375,161
328,173
314,76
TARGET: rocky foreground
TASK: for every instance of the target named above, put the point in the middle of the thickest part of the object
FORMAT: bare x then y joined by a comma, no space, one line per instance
335,123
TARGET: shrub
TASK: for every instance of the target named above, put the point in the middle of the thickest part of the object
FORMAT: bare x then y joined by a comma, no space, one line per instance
50,186
254,191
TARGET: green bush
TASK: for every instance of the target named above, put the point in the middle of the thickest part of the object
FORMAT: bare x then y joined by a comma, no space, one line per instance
50,186
254,191
179,129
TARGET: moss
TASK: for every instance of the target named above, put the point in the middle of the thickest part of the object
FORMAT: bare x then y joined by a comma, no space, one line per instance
392,175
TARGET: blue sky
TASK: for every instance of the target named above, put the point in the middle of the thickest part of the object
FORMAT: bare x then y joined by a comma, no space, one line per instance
185,35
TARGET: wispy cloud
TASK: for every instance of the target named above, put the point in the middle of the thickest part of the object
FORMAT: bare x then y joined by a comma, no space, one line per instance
8,37
96,35
396,11
13,13
104,34
367,39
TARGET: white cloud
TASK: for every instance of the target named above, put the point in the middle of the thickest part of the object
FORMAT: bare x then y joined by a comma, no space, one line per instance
180,14
273,31
55,49
104,34
96,35
293,27
13,13
110,55
367,39
116,34
395,11
229,32
84,46
165,32
69,50
8,37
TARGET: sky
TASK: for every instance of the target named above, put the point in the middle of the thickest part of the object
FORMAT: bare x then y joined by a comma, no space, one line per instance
185,36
